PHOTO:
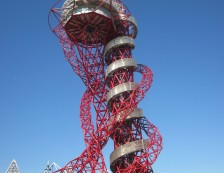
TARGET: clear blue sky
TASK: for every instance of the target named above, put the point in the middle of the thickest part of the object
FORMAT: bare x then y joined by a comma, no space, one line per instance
182,41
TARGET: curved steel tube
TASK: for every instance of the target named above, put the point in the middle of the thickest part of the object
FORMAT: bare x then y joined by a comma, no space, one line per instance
117,42
137,113
133,22
122,63
128,148
119,89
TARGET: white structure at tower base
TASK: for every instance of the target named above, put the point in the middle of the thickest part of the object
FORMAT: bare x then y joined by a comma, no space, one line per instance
13,168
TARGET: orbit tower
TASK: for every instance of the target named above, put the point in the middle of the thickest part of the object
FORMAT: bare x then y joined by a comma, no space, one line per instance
97,37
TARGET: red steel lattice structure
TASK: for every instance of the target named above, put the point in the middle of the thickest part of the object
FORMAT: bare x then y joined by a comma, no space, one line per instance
97,37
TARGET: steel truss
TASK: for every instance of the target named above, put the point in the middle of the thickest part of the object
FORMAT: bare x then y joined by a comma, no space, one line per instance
97,37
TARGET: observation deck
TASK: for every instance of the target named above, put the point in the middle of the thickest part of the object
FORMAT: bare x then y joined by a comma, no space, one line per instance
87,21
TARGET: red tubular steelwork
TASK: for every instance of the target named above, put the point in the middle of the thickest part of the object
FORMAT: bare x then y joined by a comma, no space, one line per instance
95,34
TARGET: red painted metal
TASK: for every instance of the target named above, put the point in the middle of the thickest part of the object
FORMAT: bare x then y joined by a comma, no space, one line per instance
83,38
